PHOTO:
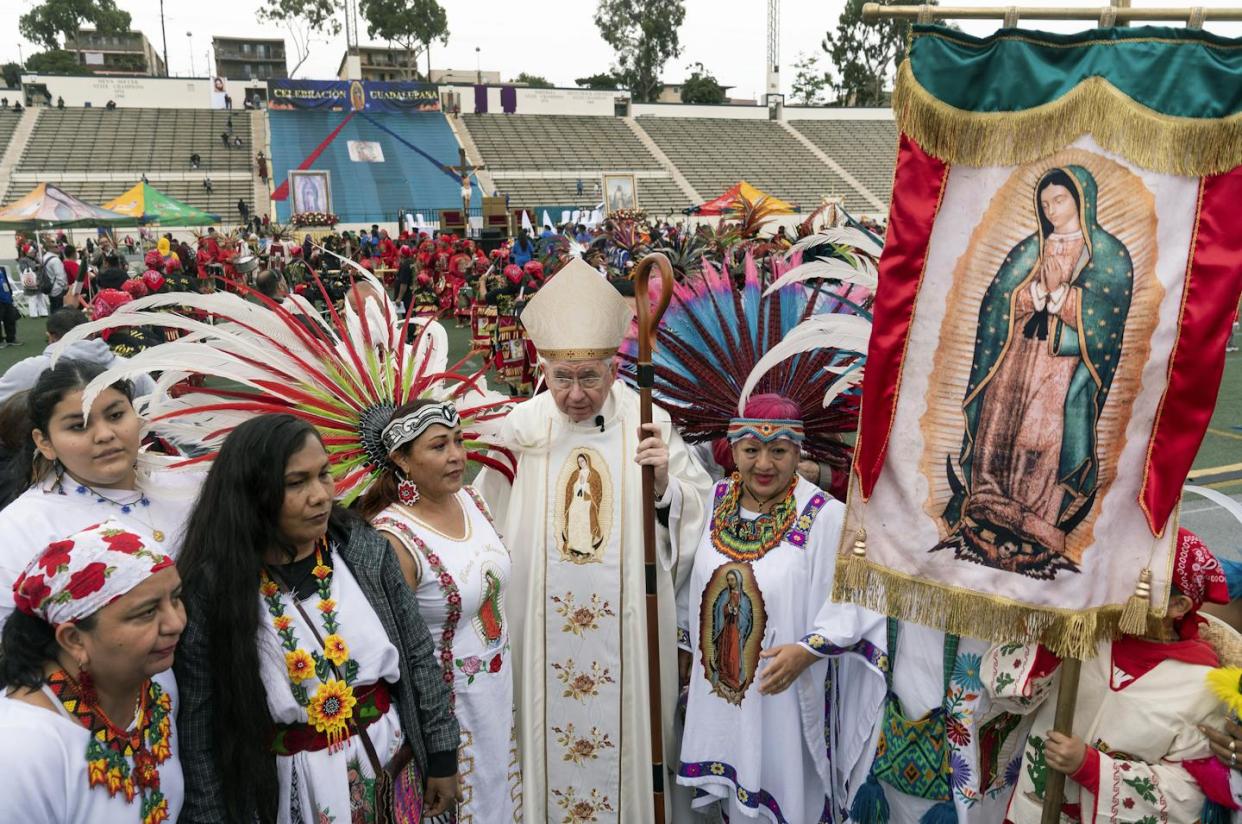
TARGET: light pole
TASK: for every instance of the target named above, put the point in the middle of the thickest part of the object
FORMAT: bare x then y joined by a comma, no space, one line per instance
478,67
190,37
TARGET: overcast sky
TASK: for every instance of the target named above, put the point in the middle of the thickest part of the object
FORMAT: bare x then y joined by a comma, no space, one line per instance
557,40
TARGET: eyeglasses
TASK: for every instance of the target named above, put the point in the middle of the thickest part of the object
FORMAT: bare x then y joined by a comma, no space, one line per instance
590,380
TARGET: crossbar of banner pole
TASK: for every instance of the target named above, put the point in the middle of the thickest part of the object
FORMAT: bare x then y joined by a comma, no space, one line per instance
1121,14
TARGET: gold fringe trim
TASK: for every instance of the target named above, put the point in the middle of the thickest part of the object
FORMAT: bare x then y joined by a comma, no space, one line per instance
960,612
1185,146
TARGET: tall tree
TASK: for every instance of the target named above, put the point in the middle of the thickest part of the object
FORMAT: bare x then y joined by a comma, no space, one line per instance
701,86
534,81
599,81
643,33
810,81
303,18
865,55
12,73
55,61
48,21
411,24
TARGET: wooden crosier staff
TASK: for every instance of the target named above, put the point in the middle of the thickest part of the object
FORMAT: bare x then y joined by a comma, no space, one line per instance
648,322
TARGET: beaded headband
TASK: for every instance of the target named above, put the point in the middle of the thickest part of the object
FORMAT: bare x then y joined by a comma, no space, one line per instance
408,428
766,430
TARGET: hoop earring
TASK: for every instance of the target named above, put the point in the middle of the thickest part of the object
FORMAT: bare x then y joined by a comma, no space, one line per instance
407,490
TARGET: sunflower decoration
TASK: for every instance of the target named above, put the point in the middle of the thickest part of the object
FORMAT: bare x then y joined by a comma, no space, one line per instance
330,711
1226,684
299,664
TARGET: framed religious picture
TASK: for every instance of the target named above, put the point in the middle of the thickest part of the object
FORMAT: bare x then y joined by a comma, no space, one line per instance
311,191
620,192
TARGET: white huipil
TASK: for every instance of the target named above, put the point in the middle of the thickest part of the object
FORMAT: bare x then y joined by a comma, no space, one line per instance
323,783
44,757
573,522
472,638
796,756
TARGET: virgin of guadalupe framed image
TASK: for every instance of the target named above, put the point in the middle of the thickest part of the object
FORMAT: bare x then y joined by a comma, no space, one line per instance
620,192
311,191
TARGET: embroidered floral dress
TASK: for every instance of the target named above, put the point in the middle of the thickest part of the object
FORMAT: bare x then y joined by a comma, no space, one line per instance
330,785
795,756
46,771
460,594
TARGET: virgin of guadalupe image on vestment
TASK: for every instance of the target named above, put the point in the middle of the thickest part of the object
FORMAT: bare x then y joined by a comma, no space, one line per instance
585,508
732,621
489,621
1041,351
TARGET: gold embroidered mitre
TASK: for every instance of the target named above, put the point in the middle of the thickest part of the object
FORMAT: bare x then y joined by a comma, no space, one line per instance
577,315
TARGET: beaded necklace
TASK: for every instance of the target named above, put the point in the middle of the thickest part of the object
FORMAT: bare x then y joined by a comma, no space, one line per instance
743,540
331,709
123,761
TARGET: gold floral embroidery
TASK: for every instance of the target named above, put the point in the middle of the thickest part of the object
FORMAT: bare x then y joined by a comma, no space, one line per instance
579,685
581,810
579,750
579,619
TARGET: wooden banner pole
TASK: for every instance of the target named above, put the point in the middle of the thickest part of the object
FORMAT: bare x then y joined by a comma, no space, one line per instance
648,322
1067,700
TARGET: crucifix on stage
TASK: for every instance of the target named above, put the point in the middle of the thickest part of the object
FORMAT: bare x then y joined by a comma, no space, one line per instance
464,169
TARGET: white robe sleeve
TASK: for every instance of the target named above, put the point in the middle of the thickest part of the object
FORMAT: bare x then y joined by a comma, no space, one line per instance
38,782
832,628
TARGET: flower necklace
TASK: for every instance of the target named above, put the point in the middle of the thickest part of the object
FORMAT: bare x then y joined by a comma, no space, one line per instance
331,709
123,761
743,540
126,507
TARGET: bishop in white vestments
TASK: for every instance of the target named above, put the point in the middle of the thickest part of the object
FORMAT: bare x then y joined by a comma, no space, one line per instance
573,522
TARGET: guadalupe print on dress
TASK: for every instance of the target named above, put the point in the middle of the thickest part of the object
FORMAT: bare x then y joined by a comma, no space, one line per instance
584,516
732,622
1049,326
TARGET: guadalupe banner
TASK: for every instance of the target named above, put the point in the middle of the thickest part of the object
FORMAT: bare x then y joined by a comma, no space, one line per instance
352,95
1063,260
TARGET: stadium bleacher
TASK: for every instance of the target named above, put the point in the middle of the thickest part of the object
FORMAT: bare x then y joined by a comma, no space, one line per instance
136,140
365,192
566,142
8,122
867,148
714,154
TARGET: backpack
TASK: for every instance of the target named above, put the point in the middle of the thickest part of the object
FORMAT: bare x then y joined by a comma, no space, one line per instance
44,279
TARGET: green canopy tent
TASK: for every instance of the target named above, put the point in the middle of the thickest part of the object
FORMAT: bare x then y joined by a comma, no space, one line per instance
146,204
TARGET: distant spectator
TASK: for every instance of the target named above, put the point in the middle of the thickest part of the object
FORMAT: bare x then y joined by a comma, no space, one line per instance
207,184
60,282
243,210
144,178
547,239
228,102
113,274
8,315
228,124
23,374
195,160
523,249
60,102
110,105
261,162
17,106
224,138
72,265
248,102
237,141
581,234
580,187
270,284
129,244
4,102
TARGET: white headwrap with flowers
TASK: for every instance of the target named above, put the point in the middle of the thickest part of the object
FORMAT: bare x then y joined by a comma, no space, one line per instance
80,575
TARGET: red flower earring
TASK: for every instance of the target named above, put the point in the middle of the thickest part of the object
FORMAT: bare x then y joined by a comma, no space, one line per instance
407,491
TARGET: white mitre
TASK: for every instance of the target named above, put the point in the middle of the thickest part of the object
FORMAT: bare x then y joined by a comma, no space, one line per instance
577,315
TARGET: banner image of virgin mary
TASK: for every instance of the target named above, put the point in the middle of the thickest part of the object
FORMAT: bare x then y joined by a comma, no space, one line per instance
1047,347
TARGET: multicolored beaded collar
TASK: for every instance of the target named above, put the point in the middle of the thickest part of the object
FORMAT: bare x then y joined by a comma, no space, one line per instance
766,429
745,540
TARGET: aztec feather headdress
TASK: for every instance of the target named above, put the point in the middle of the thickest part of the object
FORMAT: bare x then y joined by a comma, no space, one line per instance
344,375
718,344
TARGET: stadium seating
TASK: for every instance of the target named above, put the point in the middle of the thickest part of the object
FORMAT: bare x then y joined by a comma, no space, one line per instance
714,154
865,148
408,178
658,196
136,140
8,122
557,142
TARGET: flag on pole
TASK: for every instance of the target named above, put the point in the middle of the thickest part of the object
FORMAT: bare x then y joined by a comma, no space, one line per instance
1056,289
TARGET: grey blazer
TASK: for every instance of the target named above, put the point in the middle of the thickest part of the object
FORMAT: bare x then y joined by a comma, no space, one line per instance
422,696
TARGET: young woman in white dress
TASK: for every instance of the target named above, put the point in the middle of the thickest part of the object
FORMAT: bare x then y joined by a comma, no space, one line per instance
75,472
458,568
88,716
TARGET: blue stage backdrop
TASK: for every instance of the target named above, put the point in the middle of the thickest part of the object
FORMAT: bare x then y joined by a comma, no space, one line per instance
352,95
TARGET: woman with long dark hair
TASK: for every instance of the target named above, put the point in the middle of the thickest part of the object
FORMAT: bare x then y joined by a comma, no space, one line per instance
458,567
77,471
306,670
88,719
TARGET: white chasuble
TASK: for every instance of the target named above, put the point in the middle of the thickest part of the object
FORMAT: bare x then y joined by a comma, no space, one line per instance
572,520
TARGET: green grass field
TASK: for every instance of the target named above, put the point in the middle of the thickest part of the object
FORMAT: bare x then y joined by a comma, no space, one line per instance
1218,464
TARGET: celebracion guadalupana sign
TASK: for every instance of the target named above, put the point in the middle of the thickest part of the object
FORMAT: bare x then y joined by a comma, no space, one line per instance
354,95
